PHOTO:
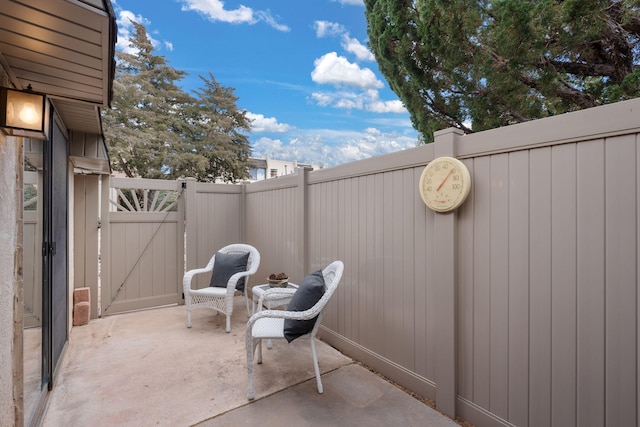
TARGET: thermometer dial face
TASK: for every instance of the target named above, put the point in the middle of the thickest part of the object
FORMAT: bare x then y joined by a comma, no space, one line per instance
445,184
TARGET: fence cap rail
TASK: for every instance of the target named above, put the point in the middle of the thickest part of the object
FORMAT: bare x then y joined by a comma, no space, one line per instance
620,118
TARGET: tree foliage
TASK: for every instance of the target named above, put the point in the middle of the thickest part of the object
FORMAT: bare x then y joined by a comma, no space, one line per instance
156,130
481,64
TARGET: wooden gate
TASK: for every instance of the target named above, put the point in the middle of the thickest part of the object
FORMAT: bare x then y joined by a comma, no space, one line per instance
145,233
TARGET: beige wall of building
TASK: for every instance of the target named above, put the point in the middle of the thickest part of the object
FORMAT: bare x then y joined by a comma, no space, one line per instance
268,168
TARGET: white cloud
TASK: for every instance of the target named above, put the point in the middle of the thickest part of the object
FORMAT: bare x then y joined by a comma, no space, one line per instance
375,105
349,44
354,46
126,30
350,2
349,100
394,106
328,29
214,11
263,147
260,123
337,70
373,131
349,104
266,17
322,99
333,147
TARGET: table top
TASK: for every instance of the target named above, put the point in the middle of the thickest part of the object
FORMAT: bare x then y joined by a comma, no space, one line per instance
261,288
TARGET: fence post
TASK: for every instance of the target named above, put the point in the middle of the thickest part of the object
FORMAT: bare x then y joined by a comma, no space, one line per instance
243,214
190,224
445,292
104,275
303,221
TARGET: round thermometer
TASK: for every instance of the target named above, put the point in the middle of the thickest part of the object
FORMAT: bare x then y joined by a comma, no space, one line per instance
445,184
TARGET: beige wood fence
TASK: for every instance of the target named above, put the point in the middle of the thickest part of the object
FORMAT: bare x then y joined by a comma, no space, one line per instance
520,308
144,257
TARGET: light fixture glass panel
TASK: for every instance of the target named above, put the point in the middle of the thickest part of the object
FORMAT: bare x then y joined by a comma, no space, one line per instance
24,110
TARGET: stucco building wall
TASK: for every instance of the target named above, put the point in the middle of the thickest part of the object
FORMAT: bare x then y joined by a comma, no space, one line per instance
10,300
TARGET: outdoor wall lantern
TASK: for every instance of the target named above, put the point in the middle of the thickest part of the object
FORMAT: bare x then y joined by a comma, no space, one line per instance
23,113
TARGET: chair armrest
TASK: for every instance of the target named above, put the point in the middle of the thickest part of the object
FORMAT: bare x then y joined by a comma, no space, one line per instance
188,276
233,281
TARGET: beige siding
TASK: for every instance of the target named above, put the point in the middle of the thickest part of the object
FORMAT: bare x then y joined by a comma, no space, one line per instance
86,215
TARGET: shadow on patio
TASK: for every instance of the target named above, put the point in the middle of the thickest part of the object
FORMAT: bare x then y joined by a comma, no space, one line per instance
147,368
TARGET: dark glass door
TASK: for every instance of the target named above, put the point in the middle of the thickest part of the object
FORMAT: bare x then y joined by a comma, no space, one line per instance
45,257
32,282
55,250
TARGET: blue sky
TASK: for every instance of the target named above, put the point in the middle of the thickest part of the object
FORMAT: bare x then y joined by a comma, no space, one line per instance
300,68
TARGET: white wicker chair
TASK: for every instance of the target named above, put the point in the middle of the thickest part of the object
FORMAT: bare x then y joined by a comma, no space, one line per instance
269,324
220,299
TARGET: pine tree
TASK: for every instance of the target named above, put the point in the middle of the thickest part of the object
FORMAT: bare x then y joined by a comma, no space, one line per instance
481,64
217,127
156,130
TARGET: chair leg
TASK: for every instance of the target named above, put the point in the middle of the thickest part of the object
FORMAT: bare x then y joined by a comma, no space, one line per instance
228,323
259,347
250,349
315,365
246,300
188,314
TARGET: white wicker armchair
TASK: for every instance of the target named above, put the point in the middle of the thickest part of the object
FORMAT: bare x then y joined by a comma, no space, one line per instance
269,324
220,298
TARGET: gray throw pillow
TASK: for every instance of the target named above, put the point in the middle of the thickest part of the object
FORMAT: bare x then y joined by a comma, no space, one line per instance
225,266
308,294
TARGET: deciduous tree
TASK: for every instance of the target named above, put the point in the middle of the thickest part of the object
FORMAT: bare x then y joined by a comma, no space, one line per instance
156,130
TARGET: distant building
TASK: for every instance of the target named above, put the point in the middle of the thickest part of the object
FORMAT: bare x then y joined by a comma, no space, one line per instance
259,170
267,168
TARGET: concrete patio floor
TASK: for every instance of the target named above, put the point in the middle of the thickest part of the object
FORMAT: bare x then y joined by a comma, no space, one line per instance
147,368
